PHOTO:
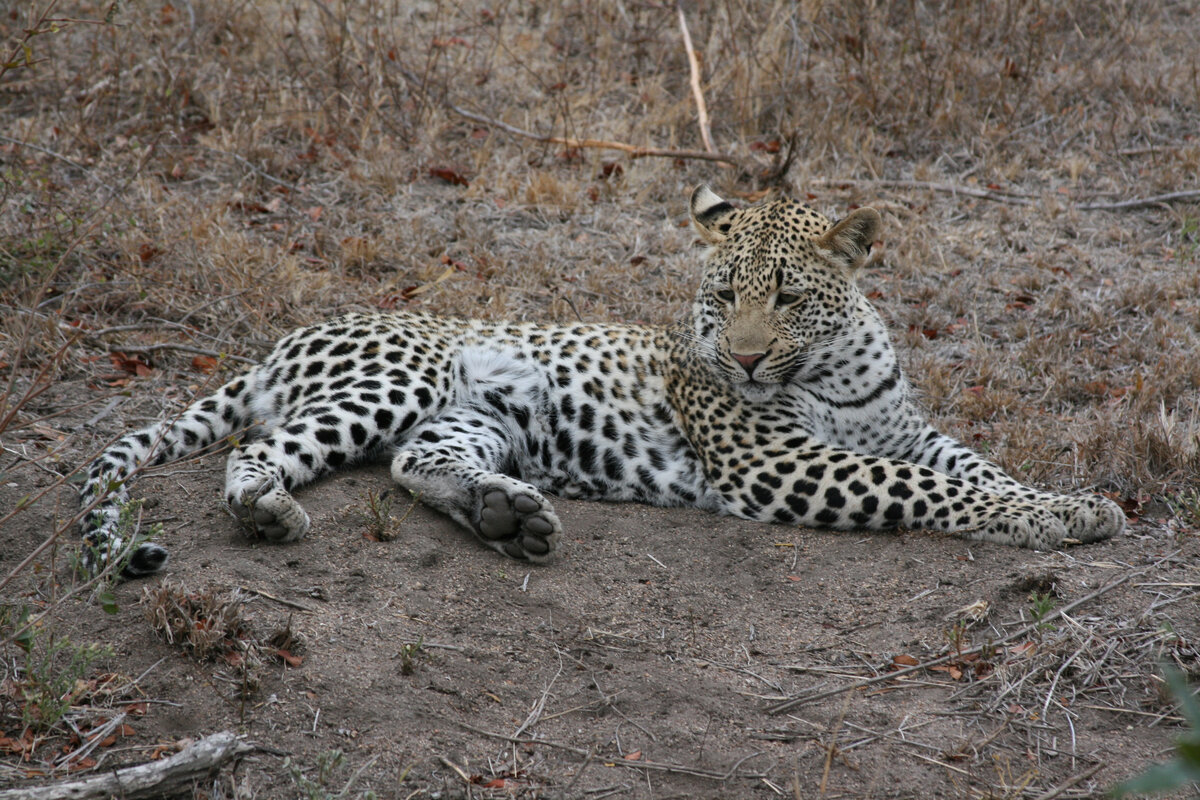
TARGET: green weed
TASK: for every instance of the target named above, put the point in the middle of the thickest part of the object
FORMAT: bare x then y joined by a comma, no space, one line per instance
317,788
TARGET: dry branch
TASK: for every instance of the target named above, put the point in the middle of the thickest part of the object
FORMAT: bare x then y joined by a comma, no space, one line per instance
1158,199
996,196
1001,196
697,92
167,778
1025,630
634,151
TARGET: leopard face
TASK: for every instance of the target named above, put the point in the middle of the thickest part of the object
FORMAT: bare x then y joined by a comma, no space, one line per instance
779,280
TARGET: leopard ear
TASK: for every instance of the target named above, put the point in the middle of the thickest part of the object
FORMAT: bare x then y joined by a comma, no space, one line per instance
710,214
849,241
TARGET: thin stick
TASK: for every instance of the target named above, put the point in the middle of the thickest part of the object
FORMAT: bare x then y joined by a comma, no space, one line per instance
1001,196
280,600
1069,782
48,152
1125,205
697,92
184,348
1012,198
779,708
634,151
651,765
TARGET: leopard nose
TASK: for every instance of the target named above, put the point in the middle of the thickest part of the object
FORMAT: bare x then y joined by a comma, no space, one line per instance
748,360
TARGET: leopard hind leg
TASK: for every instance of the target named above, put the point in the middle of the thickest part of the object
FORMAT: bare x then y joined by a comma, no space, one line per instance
465,461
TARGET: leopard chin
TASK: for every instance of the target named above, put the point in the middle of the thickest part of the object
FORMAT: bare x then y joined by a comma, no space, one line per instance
757,392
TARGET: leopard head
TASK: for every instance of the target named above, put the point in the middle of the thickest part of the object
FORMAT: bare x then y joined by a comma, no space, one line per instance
779,279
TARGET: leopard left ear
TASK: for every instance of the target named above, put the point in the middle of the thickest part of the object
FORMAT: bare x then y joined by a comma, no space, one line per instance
710,214
849,241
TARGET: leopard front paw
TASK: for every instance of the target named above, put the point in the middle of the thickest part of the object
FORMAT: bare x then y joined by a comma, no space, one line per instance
1089,518
1035,527
269,512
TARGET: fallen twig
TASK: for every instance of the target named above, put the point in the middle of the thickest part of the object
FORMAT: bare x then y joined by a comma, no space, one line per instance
280,600
697,92
798,700
1142,202
639,764
184,348
634,151
995,195
1069,782
1002,196
167,778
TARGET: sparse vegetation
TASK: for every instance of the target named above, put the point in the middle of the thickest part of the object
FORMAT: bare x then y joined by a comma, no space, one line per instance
180,183
319,786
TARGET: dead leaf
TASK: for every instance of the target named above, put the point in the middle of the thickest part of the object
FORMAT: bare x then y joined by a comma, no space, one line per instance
771,146
288,658
634,756
134,365
449,176
904,660
205,364
953,671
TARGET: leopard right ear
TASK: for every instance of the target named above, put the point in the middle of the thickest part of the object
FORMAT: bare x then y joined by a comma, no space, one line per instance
710,214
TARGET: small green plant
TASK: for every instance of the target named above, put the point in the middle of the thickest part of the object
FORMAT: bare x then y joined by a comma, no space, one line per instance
15,627
1184,769
381,525
407,653
53,677
1040,606
328,763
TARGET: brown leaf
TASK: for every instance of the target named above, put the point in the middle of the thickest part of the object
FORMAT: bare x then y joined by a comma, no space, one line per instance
634,756
288,658
449,176
904,660
134,365
205,364
766,147
950,669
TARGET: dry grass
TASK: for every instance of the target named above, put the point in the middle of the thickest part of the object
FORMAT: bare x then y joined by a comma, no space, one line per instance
197,178
222,172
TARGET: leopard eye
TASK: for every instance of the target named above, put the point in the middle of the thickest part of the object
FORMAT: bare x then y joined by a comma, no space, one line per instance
725,295
786,299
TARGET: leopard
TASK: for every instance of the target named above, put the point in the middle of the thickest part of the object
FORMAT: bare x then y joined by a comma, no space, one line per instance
780,400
